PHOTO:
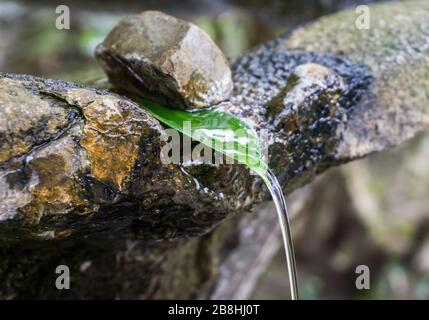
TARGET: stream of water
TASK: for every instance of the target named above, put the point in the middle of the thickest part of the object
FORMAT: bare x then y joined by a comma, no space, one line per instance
283,216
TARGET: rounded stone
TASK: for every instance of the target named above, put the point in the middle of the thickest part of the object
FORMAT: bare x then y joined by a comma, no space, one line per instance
156,56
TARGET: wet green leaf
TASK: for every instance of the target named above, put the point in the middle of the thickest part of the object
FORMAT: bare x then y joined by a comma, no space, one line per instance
218,130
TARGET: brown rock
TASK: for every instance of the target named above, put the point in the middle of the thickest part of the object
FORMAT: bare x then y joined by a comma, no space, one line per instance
167,59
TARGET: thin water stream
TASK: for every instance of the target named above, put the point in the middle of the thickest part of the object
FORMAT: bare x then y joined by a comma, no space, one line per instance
283,216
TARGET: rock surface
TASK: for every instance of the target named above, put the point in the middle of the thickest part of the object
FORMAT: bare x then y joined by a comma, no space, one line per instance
396,49
80,152
172,61
311,103
303,110
66,148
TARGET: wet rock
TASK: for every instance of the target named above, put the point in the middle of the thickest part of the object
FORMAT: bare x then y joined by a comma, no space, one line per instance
306,103
23,128
78,153
66,148
318,108
396,50
163,58
302,102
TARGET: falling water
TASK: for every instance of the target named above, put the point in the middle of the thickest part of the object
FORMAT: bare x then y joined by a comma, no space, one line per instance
283,216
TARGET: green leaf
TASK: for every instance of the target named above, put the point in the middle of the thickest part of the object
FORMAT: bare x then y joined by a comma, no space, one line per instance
218,130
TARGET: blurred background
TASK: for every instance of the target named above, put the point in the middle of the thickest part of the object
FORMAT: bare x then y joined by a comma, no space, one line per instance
373,211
